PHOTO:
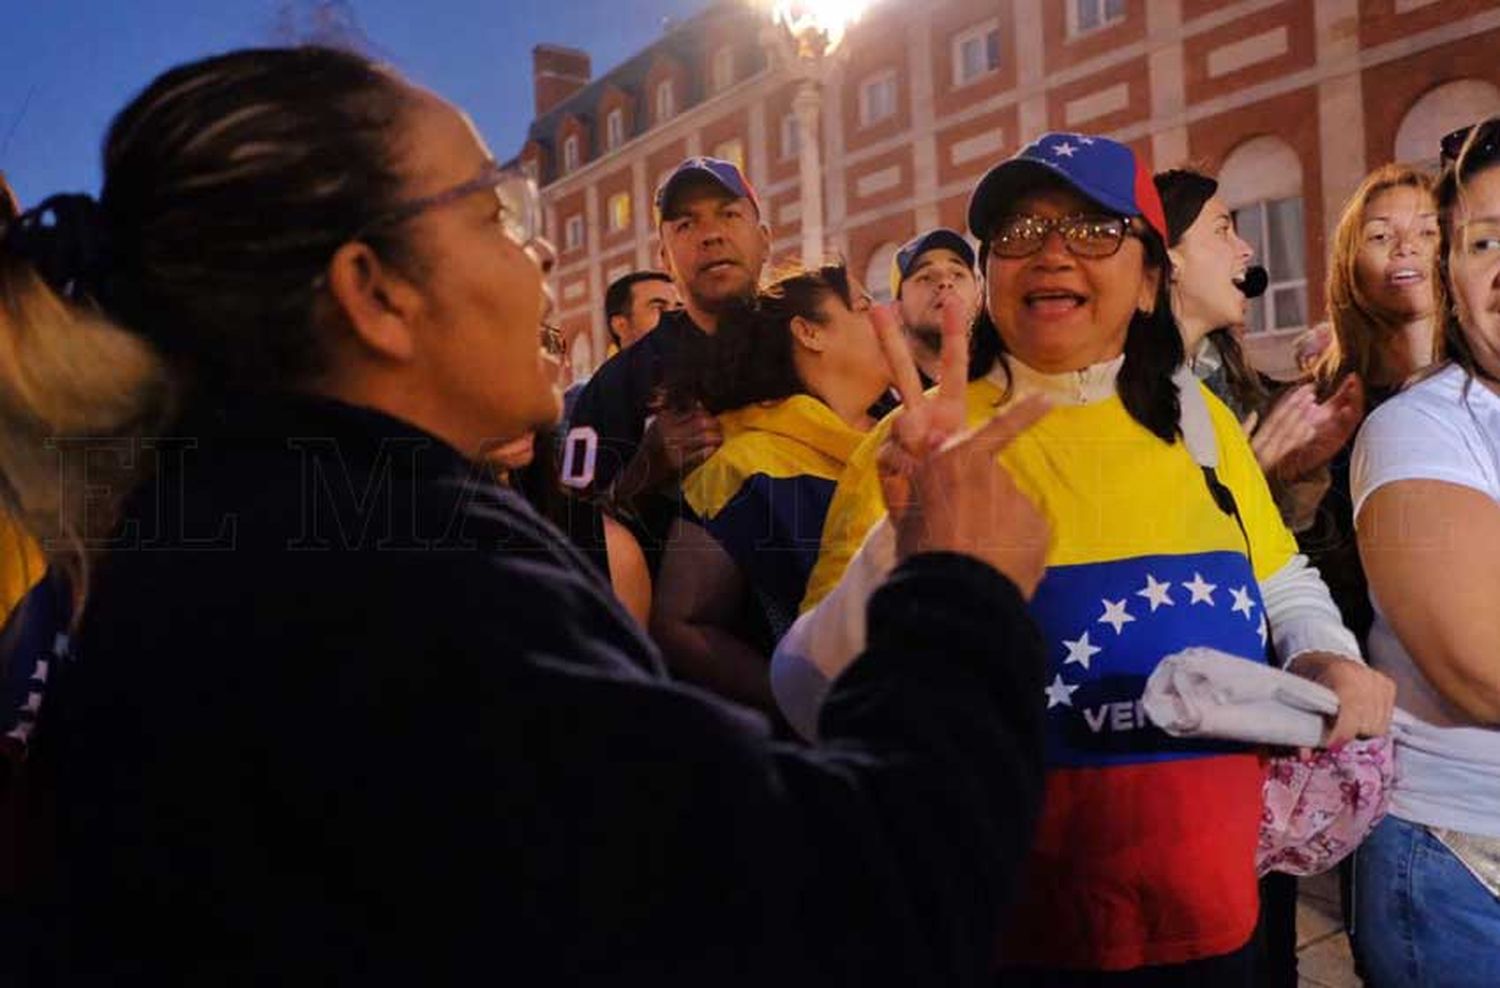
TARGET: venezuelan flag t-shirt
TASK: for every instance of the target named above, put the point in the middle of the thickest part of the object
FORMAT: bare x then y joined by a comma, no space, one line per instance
764,493
1145,850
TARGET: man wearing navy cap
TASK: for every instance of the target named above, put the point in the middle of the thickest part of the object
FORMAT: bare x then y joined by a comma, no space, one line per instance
713,244
932,273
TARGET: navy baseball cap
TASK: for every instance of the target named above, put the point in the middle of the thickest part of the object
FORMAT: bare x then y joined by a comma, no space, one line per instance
725,174
1097,168
907,256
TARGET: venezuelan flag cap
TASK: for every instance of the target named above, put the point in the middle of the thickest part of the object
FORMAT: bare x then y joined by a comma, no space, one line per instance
1097,168
692,171
906,258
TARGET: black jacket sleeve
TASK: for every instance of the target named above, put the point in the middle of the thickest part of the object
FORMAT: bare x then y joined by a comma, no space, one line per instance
651,834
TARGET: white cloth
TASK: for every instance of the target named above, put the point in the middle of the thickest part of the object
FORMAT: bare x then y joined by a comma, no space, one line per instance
1446,776
1205,693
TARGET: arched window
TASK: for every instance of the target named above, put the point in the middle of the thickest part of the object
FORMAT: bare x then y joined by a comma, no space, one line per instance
1441,111
878,272
1261,183
570,154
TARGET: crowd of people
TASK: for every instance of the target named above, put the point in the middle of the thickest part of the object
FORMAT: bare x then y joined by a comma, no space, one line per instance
803,643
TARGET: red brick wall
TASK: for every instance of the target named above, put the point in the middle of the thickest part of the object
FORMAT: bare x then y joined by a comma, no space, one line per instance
1134,74
1301,53
1379,22
1005,120
899,157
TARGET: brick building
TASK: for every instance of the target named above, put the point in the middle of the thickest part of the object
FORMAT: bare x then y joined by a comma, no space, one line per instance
1289,101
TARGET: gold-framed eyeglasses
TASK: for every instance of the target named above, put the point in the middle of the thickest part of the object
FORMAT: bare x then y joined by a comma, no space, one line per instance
1088,236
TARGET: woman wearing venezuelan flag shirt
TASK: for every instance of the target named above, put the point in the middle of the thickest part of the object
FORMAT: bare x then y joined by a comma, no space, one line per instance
1165,537
791,378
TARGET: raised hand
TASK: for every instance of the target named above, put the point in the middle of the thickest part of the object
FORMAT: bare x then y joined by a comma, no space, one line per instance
945,488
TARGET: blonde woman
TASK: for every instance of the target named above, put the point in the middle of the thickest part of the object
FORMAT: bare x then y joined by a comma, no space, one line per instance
1383,302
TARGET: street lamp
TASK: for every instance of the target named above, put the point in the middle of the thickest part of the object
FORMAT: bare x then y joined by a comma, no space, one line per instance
804,37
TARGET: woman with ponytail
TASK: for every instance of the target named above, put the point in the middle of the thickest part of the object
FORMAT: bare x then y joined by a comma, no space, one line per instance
337,709
791,377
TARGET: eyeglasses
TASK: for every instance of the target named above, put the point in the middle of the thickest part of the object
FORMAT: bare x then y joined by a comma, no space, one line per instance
1485,144
1084,236
554,344
520,203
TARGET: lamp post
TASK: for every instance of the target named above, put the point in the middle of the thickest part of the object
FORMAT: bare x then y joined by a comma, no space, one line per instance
804,37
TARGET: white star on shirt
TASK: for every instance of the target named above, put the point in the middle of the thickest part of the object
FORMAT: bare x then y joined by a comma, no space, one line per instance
1264,630
1202,590
1242,601
1063,150
1059,693
1115,614
1156,593
1080,651
1085,140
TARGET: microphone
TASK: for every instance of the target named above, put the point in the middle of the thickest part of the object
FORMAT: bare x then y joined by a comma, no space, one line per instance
1254,282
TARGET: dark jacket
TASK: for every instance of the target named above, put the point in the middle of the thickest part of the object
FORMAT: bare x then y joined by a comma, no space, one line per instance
618,400
343,712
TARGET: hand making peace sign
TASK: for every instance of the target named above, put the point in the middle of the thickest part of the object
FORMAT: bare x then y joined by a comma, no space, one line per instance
944,488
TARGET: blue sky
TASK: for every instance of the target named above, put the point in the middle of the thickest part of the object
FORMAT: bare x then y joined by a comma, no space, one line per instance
67,66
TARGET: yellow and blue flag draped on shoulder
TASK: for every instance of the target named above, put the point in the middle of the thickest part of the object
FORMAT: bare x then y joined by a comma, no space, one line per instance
33,619
1144,853
21,566
764,493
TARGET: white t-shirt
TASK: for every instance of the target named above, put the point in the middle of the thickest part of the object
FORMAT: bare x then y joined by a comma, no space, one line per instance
1446,776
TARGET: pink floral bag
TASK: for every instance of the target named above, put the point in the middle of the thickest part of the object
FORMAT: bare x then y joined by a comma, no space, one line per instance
1316,812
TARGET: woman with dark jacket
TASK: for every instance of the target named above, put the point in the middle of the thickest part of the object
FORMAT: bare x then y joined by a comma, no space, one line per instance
341,710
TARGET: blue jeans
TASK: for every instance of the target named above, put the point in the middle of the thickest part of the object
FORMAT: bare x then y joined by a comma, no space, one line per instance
1420,917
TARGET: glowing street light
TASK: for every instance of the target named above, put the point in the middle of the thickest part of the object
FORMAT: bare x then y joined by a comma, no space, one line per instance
804,37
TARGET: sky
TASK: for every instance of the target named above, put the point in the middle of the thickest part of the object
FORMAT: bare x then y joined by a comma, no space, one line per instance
68,66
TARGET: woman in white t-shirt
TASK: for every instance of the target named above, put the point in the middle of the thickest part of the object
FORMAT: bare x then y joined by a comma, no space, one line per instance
1426,487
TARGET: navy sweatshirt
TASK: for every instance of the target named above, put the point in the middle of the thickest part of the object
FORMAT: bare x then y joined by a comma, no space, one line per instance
343,712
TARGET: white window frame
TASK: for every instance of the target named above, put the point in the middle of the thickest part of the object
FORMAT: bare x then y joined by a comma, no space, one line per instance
573,232
614,128
866,98
609,208
791,137
979,33
1267,301
723,69
665,100
1075,19
570,160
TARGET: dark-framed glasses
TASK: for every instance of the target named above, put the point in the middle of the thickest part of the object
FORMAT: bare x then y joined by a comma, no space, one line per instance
520,203
1486,143
1088,236
554,343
